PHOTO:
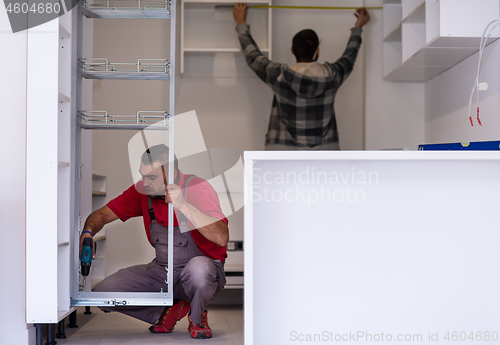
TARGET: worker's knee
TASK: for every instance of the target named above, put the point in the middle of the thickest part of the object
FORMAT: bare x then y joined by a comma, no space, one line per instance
102,286
199,272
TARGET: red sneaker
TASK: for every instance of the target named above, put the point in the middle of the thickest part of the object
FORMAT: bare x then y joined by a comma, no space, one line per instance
170,316
201,331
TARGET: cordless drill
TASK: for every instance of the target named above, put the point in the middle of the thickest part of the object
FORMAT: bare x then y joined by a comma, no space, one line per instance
86,258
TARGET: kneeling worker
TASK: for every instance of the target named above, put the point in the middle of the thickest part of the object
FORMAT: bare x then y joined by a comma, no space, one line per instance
199,254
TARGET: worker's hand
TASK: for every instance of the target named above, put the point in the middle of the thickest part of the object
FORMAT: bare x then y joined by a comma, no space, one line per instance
174,195
240,13
363,17
86,234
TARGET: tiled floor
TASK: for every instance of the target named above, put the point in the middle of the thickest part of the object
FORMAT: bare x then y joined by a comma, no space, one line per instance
118,329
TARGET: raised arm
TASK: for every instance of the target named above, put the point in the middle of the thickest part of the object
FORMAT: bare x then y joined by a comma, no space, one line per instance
265,69
343,67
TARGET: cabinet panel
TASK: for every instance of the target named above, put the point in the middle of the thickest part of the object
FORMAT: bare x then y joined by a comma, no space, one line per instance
49,179
433,24
208,28
42,174
465,18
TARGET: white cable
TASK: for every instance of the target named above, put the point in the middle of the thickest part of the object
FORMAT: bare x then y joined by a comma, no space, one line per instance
482,45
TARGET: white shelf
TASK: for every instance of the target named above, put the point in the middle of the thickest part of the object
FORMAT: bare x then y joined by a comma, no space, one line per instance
97,119
427,38
63,98
409,6
63,32
99,237
63,244
61,314
143,69
63,164
206,29
417,15
394,35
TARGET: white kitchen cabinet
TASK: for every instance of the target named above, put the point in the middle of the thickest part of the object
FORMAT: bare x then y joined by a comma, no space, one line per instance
208,28
50,172
423,38
61,190
386,243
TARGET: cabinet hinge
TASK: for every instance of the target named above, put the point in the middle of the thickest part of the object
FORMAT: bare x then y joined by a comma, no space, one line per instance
80,223
80,173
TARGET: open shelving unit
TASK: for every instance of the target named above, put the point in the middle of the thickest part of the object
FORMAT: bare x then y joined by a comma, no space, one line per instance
59,180
207,28
88,67
50,170
423,38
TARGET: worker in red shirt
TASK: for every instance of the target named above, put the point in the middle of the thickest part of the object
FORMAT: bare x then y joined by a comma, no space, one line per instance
199,250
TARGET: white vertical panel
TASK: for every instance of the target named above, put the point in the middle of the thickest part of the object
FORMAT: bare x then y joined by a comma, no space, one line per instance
65,177
13,328
432,19
248,259
394,111
42,172
401,255
413,39
466,18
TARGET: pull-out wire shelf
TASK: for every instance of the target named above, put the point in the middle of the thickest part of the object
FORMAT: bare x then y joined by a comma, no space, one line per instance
98,119
143,69
145,9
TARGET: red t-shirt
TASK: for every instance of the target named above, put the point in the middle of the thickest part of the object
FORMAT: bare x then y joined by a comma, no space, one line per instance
134,203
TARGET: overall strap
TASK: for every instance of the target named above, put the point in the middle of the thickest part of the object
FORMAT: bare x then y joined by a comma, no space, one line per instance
150,210
183,220
182,217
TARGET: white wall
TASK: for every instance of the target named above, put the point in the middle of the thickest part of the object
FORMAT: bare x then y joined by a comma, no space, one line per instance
394,111
13,327
447,99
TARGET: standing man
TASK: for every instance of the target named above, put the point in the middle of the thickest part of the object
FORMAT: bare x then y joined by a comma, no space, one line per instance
199,254
302,114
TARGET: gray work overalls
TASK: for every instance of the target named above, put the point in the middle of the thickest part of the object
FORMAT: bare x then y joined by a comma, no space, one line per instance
197,278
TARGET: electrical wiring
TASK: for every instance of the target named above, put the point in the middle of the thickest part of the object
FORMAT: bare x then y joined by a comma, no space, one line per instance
487,32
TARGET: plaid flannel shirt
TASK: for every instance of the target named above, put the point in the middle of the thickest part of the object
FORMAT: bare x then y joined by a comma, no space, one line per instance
302,113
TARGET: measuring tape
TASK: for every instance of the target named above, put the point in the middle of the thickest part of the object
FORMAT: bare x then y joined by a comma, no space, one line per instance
316,7
306,7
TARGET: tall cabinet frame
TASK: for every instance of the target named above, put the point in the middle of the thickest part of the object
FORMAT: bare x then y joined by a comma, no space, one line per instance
58,151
